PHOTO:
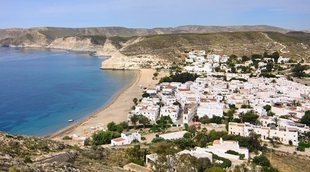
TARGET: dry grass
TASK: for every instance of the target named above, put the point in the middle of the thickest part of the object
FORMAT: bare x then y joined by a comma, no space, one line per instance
169,46
289,162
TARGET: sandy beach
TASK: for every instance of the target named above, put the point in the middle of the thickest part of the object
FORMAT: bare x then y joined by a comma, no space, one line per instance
116,111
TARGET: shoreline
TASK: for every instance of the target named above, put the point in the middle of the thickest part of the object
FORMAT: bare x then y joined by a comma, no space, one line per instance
77,51
116,111
62,132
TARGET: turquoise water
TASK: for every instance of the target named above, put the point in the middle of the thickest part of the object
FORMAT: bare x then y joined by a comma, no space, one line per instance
40,90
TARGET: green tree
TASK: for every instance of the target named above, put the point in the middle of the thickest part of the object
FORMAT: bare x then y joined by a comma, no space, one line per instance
306,118
250,117
134,119
155,74
204,120
111,126
275,56
143,120
136,155
124,125
215,135
135,101
184,143
104,137
232,61
269,67
267,108
115,127
145,94
158,139
299,70
262,161
225,162
201,139
252,142
216,119
164,122
245,58
179,77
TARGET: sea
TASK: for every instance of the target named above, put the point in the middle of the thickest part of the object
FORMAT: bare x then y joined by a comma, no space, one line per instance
41,89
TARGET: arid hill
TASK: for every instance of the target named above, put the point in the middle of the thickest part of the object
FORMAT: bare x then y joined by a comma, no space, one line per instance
167,43
20,153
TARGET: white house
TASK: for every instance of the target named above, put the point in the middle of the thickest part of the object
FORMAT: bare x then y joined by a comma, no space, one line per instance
126,138
150,112
173,135
221,147
283,59
210,109
151,91
288,136
197,153
148,107
284,135
168,99
173,111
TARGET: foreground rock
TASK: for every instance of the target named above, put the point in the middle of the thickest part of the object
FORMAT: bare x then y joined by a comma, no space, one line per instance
19,153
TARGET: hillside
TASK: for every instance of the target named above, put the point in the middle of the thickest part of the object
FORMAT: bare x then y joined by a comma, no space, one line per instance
165,43
239,43
19,153
57,32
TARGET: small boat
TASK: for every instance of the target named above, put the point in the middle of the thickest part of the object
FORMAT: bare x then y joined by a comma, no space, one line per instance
70,120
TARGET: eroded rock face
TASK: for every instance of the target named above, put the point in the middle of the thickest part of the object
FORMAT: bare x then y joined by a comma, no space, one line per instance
73,43
116,60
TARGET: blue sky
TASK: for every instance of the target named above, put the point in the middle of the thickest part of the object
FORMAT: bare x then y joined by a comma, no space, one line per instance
293,14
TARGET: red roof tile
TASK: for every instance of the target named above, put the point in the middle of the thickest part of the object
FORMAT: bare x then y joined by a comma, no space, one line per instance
118,139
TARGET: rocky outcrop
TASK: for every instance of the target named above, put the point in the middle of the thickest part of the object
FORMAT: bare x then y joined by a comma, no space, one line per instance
116,60
74,44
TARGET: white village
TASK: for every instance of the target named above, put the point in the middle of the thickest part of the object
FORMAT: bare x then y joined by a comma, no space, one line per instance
270,107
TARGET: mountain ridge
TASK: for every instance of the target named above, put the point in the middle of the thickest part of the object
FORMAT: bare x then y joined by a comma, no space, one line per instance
127,32
165,43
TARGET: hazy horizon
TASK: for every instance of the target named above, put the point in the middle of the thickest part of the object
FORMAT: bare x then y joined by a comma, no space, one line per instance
152,14
153,27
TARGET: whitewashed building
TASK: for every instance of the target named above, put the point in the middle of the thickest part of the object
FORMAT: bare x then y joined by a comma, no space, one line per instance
126,138
284,135
173,135
190,110
210,109
173,111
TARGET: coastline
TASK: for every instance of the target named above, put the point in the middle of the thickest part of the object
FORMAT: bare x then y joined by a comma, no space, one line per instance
116,111
67,130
